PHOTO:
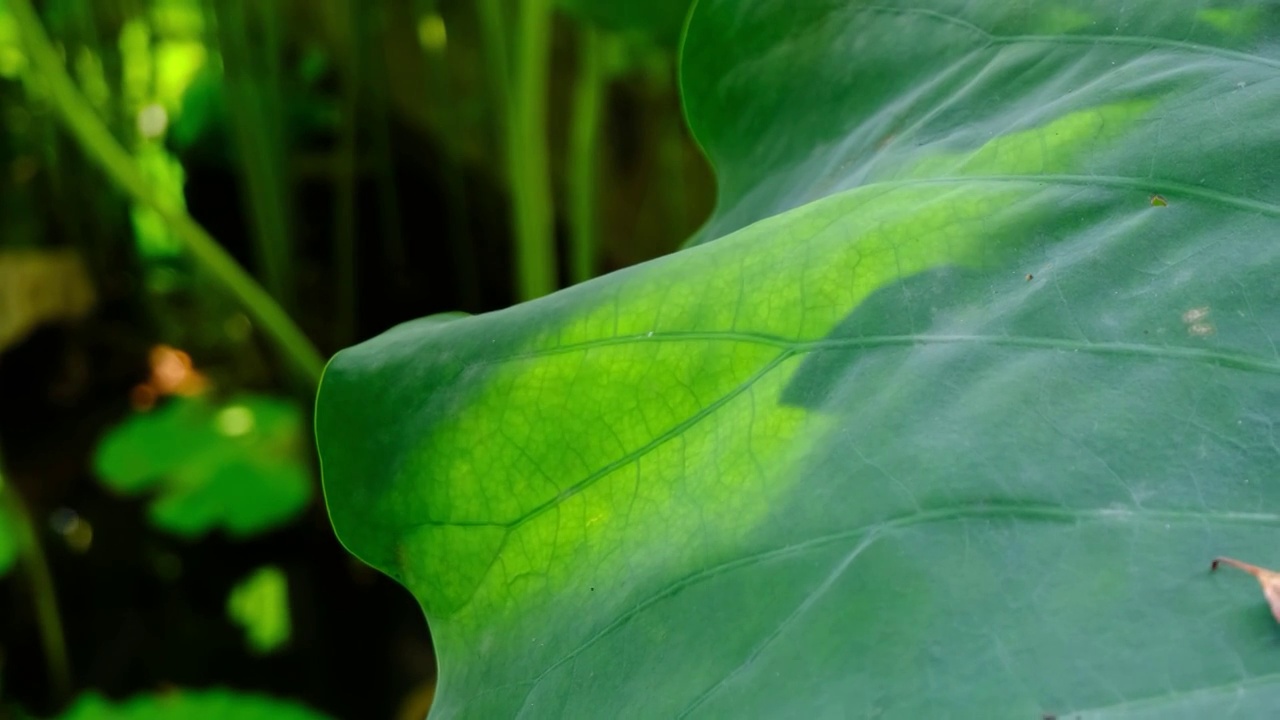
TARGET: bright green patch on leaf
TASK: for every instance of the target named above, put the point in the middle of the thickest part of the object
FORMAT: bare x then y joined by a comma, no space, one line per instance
1232,20
841,457
237,466
1057,19
189,705
1050,149
260,604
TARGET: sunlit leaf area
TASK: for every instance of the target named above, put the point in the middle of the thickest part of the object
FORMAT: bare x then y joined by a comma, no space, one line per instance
201,201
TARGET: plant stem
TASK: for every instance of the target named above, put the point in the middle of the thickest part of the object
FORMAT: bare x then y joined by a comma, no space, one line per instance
435,62
252,80
493,32
36,565
584,128
345,213
369,26
527,154
671,165
102,147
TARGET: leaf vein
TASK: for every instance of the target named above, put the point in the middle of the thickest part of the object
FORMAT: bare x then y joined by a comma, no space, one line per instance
867,534
1065,39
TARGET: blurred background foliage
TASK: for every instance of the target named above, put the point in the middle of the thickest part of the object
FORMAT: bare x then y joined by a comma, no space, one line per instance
202,199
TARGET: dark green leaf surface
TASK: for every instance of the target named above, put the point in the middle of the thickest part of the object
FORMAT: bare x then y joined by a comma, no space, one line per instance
236,466
945,415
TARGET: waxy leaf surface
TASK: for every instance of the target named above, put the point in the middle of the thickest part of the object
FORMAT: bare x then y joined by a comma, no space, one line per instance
942,414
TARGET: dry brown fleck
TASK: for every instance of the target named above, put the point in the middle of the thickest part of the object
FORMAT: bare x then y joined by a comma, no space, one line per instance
1268,579
1195,315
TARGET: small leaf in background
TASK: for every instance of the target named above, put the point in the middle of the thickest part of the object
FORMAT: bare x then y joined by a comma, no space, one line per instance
1268,579
237,465
260,604
190,705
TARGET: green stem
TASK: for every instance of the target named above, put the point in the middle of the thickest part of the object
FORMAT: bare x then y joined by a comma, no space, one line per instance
102,147
493,32
451,129
671,164
527,153
369,27
584,129
36,565
345,215
252,81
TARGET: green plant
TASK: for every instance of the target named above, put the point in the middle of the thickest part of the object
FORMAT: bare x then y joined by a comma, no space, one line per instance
260,604
20,544
235,466
211,704
946,409
80,119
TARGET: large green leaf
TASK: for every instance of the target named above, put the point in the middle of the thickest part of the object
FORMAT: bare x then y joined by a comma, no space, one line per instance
971,376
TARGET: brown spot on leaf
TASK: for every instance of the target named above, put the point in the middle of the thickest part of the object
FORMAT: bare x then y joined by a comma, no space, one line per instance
1159,201
1195,315
1030,277
1197,321
1268,579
